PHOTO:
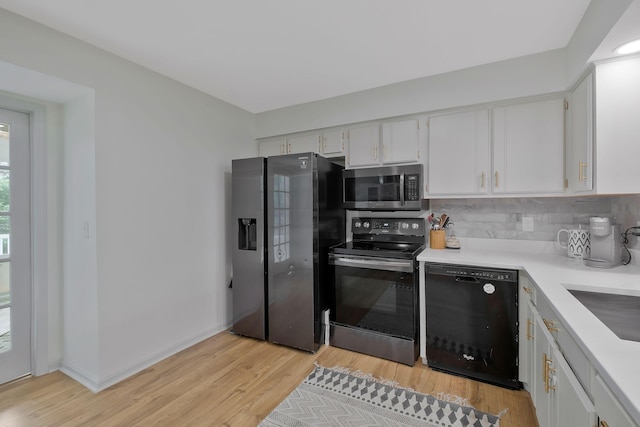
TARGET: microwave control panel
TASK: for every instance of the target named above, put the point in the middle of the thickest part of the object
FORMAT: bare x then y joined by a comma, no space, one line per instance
411,187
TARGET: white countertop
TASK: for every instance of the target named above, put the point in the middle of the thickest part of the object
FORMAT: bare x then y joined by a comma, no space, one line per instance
616,360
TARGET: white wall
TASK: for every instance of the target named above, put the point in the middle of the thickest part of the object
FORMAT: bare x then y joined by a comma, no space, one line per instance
54,195
598,19
539,74
81,344
146,166
526,76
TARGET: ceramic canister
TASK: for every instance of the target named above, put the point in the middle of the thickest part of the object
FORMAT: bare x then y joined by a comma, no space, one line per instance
578,244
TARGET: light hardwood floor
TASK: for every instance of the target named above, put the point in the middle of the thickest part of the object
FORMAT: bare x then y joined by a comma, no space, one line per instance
226,380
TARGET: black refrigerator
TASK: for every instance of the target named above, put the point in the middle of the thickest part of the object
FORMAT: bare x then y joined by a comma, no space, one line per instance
288,213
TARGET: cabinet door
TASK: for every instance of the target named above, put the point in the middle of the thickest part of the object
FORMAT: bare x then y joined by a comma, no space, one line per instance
458,154
333,143
618,127
273,148
580,165
542,394
609,410
303,144
363,146
572,405
401,142
558,396
528,148
526,337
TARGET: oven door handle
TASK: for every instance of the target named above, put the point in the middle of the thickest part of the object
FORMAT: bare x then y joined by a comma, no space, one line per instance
377,263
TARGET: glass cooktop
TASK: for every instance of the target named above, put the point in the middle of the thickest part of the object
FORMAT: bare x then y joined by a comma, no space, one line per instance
377,248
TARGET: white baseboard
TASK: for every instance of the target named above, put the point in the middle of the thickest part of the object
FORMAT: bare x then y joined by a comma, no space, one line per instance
99,385
54,366
80,377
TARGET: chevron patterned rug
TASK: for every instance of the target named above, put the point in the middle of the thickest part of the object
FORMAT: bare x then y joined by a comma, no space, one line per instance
337,397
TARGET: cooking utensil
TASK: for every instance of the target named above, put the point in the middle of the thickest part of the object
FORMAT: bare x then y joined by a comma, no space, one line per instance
443,219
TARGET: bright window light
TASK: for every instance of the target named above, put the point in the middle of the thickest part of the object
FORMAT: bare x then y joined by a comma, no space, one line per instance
631,47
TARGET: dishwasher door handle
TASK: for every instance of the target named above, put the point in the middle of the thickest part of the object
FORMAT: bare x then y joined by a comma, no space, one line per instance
467,279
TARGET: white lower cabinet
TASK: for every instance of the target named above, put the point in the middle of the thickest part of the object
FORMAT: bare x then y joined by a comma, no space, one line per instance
565,389
541,353
526,367
572,405
610,413
559,398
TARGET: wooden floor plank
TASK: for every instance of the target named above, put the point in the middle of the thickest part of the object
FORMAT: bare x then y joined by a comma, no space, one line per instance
228,380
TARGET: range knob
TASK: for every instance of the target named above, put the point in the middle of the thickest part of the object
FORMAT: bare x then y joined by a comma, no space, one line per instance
357,224
366,224
404,225
415,226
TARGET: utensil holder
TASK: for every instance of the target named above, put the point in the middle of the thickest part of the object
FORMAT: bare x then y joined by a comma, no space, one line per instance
437,239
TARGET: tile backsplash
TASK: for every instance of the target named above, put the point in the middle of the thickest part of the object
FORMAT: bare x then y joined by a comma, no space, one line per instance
502,218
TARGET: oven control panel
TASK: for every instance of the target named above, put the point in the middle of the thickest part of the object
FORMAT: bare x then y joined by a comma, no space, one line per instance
398,226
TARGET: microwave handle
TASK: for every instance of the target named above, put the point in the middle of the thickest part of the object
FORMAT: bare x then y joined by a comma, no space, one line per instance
402,188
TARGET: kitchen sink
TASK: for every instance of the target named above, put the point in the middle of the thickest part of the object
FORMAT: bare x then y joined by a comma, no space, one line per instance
619,312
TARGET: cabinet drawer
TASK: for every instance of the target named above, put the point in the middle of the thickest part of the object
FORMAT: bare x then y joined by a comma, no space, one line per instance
548,316
528,287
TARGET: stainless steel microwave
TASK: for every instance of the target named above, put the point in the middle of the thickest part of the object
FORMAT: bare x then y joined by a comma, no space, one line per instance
388,188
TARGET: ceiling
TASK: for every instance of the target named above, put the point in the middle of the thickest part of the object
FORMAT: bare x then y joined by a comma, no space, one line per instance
261,55
625,30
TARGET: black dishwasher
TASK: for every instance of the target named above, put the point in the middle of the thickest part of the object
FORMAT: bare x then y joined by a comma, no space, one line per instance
472,322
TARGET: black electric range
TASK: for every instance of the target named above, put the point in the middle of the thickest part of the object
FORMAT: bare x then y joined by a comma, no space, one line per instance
376,284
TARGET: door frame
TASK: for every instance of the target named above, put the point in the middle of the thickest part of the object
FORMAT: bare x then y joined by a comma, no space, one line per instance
39,229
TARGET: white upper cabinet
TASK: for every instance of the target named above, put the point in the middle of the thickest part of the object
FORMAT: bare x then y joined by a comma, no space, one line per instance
459,154
292,145
303,144
363,146
274,147
528,148
580,151
618,127
401,141
333,143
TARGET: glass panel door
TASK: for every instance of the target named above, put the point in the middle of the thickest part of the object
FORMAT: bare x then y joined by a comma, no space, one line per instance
15,270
